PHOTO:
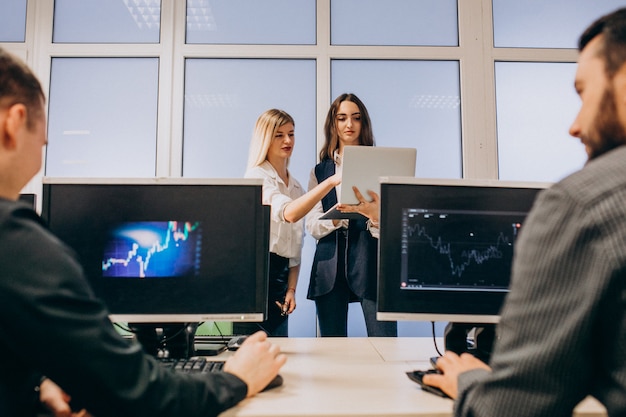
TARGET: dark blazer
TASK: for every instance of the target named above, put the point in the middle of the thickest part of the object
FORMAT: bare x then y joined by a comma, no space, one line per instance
54,325
360,254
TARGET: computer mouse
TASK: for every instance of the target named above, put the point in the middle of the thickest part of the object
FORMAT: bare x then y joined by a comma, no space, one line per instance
416,376
433,361
235,342
276,382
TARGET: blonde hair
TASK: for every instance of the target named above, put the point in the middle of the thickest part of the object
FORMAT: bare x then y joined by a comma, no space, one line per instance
266,126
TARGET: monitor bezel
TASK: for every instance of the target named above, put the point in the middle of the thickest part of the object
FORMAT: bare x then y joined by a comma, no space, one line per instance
262,243
384,310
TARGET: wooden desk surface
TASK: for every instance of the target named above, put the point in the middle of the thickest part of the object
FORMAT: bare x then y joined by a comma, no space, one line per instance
356,377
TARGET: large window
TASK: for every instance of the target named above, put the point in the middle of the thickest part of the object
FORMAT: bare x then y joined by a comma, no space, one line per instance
224,98
102,117
545,24
424,113
533,72
269,22
394,22
533,139
171,88
97,21
13,21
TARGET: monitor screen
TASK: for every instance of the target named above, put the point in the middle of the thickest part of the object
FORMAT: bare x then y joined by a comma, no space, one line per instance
160,251
446,247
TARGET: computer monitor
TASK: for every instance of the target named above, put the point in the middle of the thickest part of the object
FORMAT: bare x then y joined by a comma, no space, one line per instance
167,251
29,198
446,248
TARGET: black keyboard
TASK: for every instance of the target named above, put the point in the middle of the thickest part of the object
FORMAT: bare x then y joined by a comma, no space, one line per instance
199,364
195,364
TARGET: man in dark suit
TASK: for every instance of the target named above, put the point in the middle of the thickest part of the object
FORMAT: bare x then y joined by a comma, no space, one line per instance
53,325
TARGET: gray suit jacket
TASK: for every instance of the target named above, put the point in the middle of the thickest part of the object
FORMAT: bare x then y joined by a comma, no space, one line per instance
562,335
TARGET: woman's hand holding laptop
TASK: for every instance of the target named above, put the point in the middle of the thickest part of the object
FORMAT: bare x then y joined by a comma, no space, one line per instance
369,209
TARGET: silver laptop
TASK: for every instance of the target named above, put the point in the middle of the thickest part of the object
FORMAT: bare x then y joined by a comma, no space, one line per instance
363,166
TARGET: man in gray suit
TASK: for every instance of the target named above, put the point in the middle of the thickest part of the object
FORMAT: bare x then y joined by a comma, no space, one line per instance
562,334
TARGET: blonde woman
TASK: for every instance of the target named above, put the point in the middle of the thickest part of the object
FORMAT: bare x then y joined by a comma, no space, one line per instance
271,147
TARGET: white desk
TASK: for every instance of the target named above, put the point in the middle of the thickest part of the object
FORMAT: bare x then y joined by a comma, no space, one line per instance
356,377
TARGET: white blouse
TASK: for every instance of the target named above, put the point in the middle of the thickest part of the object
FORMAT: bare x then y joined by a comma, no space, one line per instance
285,238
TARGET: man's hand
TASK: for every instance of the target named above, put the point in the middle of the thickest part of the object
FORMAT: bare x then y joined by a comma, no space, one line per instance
57,401
256,362
451,366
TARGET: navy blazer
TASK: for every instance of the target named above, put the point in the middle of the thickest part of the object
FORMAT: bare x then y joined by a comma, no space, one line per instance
360,254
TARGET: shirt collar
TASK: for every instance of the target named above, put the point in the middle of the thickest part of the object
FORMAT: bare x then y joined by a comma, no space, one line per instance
337,158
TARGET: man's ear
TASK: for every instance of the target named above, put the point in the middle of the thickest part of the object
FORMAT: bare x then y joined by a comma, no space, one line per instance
15,120
619,85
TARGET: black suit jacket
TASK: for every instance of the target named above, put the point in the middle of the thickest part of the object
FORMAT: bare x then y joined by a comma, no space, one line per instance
52,324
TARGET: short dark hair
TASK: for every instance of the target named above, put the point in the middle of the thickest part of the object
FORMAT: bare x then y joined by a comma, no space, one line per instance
18,84
613,27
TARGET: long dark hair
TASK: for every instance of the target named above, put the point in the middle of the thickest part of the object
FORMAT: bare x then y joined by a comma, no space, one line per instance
366,138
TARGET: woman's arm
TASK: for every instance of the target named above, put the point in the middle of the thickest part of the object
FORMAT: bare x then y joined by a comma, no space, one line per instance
299,207
315,226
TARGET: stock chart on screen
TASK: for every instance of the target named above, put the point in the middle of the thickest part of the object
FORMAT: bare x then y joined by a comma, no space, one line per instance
153,250
457,248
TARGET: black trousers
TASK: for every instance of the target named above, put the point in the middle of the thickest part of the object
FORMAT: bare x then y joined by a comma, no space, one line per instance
332,308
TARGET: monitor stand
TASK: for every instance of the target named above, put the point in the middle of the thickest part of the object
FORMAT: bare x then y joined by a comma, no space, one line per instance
474,338
166,340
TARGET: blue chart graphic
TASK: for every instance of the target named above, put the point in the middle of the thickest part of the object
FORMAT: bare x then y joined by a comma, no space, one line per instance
457,249
153,249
